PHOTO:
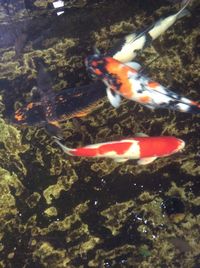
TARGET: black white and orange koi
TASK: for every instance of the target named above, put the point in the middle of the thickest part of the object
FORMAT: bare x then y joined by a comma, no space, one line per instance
142,148
126,80
126,49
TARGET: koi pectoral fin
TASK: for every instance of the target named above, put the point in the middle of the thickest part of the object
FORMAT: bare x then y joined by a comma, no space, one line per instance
149,106
146,160
141,134
113,97
135,65
54,129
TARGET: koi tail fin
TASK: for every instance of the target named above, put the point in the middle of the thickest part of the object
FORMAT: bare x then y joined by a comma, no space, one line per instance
192,107
183,12
65,149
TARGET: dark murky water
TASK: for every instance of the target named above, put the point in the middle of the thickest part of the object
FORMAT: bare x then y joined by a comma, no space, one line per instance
59,211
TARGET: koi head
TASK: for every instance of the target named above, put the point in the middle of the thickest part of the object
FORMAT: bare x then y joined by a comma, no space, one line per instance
160,146
173,145
180,145
95,65
30,114
106,69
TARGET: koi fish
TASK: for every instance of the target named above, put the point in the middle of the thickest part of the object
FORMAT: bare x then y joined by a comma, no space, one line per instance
79,101
53,108
126,49
69,103
126,80
142,148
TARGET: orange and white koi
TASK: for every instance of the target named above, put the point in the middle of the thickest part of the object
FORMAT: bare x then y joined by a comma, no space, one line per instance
142,148
126,80
127,48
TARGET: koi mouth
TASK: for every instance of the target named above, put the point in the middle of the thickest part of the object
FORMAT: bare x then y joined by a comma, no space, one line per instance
181,145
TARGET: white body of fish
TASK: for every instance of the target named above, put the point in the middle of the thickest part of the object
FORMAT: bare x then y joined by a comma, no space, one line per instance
128,48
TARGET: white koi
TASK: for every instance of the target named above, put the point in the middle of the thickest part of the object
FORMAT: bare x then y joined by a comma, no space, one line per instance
126,50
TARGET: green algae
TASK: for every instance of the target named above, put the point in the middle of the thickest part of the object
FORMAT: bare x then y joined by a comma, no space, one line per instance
53,56
51,257
8,210
33,199
106,258
62,225
52,211
64,183
7,201
117,215
144,251
11,138
191,167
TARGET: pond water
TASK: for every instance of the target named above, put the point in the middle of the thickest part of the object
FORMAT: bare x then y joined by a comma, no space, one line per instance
63,211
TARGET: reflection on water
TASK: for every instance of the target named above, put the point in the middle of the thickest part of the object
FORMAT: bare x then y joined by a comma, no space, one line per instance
60,211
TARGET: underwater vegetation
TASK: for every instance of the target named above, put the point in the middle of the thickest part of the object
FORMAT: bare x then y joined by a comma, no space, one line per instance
60,211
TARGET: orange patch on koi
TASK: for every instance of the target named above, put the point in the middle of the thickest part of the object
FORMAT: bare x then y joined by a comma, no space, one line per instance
30,106
98,72
153,84
121,72
144,99
195,103
55,123
19,117
81,114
